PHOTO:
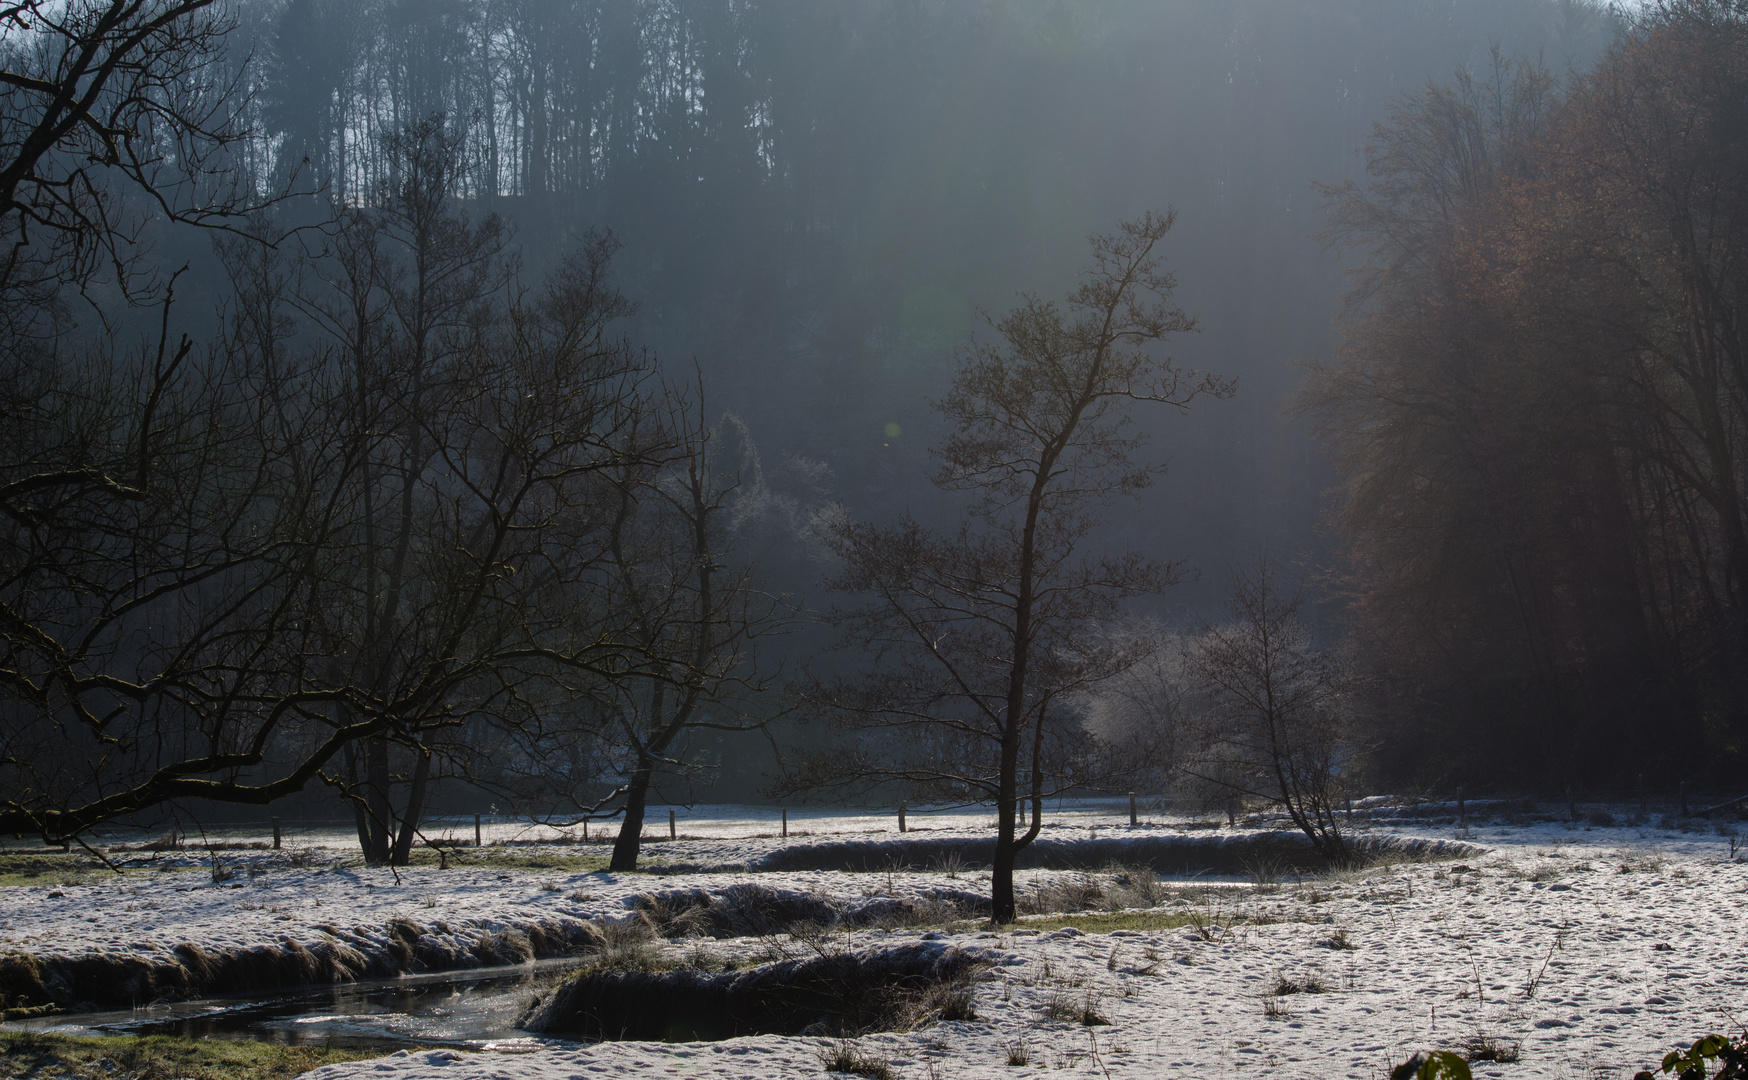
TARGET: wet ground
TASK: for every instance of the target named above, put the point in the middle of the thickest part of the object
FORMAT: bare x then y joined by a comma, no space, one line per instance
474,1010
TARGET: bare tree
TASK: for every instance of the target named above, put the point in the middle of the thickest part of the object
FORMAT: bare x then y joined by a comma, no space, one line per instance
684,602
1273,719
978,639
436,271
214,641
691,613
113,114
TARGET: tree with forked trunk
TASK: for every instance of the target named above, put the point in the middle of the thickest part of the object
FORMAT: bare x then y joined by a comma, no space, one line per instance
977,639
1270,712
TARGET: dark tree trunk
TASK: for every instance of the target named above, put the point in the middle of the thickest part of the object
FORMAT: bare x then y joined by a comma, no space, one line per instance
403,848
379,812
359,817
630,840
1002,908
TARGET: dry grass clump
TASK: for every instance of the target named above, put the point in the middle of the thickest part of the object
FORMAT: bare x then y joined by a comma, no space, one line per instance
1134,887
955,1001
1265,873
1285,986
1080,1009
1117,888
951,862
1484,1047
1647,864
1068,892
847,1057
738,911
628,945
913,911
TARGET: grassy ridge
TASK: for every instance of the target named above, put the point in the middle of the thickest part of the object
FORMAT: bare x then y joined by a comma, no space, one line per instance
158,1057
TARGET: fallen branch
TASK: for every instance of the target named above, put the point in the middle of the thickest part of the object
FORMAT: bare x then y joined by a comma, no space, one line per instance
1730,805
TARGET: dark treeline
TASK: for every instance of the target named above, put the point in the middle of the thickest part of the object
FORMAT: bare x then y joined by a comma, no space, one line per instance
1540,408
534,360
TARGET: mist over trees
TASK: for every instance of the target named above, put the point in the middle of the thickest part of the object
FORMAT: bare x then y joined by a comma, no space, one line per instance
820,198
356,437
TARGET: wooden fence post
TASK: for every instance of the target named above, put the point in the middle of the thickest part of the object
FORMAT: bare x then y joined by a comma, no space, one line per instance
1132,820
900,817
673,831
476,832
275,834
785,823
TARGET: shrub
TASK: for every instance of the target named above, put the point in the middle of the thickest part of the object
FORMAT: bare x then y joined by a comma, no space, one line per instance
1697,1061
1437,1065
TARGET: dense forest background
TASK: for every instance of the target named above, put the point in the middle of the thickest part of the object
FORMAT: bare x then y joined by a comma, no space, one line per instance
819,199
1473,267
820,202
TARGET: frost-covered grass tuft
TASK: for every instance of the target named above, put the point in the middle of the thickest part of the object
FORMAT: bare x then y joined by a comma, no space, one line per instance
1482,1046
1080,1009
847,1057
1285,986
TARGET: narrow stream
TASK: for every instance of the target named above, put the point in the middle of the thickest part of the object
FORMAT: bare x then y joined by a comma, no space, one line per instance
475,1009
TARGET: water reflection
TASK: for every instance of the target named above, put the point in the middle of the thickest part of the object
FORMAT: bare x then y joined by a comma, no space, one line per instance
475,1010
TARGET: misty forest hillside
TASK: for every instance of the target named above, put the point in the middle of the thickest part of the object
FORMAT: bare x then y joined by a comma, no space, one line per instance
558,404
820,200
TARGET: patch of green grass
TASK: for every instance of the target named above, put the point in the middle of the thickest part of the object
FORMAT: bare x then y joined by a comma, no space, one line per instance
26,1056
77,868
47,868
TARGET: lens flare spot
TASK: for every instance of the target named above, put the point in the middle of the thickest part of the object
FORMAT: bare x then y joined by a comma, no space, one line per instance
892,431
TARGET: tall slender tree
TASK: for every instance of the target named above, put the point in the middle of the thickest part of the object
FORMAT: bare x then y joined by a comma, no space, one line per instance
978,636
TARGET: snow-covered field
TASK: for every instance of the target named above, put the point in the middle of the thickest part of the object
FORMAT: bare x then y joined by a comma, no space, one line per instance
1587,950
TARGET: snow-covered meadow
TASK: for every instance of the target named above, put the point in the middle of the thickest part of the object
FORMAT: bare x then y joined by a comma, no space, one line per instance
1581,950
